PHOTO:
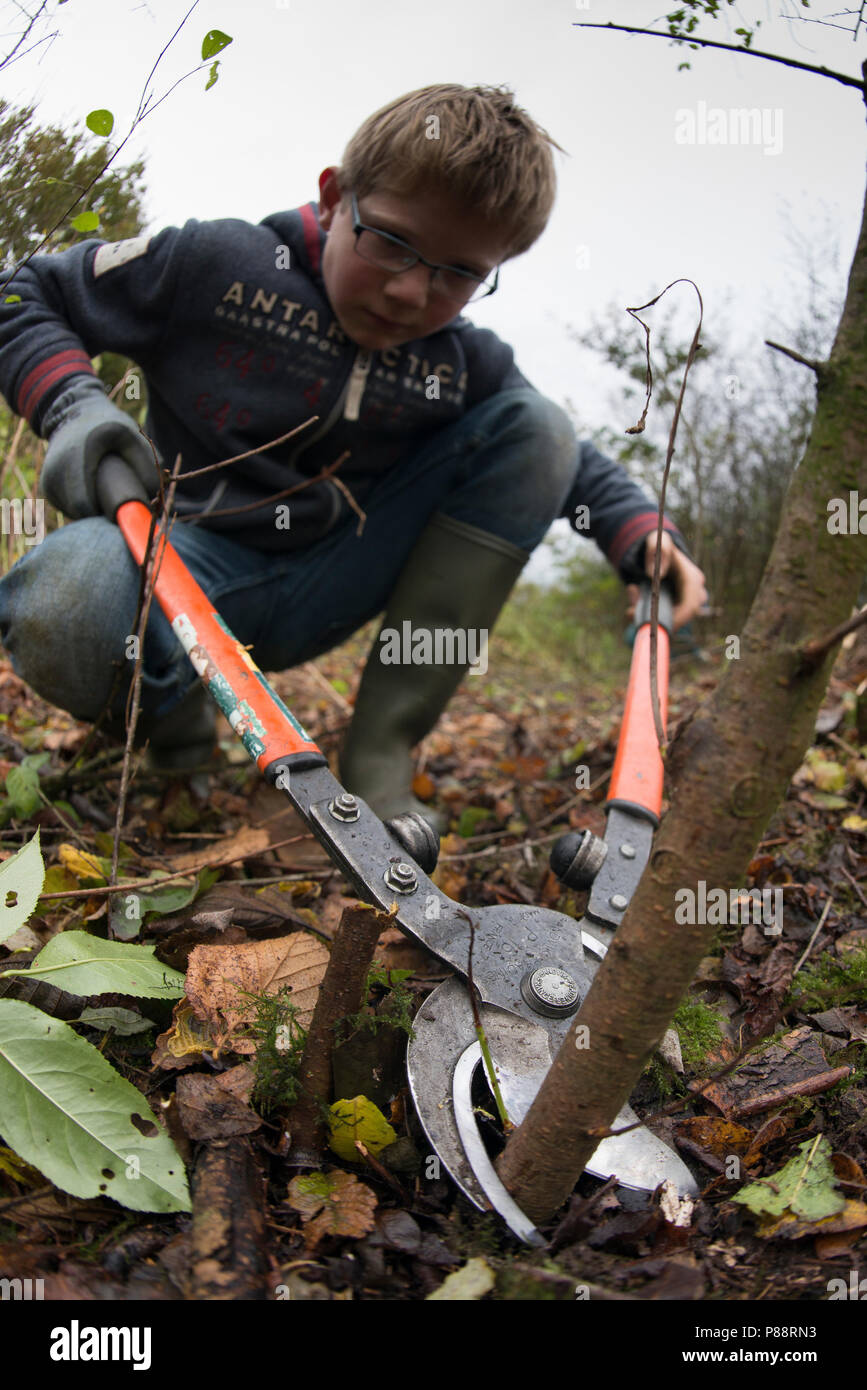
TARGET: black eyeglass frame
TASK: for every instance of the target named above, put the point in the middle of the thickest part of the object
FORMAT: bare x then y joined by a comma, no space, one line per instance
358,227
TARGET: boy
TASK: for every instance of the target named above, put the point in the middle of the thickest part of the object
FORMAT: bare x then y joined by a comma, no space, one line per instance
451,466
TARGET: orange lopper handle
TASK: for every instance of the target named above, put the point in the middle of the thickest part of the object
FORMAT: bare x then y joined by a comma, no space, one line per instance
638,771
268,730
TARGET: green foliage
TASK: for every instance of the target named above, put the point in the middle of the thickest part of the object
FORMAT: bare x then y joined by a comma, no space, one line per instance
21,878
569,634
280,1043
389,1005
66,1110
43,169
214,42
63,1107
100,122
22,799
698,1028
685,19
805,1187
830,982
83,964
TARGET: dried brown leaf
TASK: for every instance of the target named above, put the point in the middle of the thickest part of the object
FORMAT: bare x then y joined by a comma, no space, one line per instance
344,1205
245,844
220,980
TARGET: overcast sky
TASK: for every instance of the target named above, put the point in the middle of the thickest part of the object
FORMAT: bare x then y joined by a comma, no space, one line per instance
638,205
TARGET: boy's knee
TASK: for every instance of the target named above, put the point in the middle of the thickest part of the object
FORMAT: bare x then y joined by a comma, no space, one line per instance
62,608
552,437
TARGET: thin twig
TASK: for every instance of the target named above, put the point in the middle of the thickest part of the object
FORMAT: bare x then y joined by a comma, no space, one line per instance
362,515
813,652
260,448
151,563
479,1027
818,367
315,674
324,473
156,883
732,48
826,909
638,429
501,849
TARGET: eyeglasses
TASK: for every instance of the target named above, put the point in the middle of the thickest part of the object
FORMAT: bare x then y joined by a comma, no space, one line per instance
390,253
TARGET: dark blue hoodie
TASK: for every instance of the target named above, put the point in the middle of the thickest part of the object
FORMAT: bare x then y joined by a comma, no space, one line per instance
232,328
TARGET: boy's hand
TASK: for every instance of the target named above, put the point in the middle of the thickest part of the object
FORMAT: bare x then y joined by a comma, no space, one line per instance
82,426
689,582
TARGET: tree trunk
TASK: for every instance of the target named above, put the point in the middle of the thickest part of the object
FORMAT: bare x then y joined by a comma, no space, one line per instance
728,770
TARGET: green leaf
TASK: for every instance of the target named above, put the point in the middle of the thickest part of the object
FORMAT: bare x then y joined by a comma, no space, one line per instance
22,788
805,1186
163,901
85,964
101,122
124,1022
65,1109
85,222
21,879
12,299
360,1119
470,817
212,76
214,42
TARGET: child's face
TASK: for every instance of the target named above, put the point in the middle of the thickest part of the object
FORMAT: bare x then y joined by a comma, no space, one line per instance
363,296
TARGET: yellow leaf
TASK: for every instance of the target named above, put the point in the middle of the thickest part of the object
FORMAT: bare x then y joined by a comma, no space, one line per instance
473,1281
84,866
189,1034
17,1169
854,822
826,775
358,1119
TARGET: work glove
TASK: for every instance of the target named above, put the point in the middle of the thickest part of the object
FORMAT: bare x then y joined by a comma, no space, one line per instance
81,427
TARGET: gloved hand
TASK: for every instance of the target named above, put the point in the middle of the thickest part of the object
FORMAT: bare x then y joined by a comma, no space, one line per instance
82,426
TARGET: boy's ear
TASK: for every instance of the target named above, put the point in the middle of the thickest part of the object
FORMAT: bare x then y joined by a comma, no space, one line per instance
330,194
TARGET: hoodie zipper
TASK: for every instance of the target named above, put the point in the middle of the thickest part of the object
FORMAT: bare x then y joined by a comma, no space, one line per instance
357,382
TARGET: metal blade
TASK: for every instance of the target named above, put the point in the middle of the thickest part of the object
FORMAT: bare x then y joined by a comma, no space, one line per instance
441,1049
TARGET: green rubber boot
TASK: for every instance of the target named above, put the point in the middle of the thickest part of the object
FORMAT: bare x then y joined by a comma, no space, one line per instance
435,629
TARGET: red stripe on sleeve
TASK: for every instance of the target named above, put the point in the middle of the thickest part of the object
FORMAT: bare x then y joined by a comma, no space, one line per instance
633,530
34,386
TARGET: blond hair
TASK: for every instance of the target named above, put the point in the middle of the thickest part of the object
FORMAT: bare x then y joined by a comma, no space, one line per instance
482,150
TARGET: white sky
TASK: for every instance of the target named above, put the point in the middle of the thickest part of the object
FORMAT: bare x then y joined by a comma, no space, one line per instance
300,77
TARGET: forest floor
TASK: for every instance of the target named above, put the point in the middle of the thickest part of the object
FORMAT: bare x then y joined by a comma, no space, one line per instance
782,1017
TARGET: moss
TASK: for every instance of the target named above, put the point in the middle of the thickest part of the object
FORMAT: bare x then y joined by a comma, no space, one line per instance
698,1027
830,981
389,1005
280,1043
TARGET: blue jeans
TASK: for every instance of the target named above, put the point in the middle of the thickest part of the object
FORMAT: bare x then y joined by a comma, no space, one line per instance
67,607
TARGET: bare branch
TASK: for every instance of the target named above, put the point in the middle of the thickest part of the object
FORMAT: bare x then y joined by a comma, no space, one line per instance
843,77
819,368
